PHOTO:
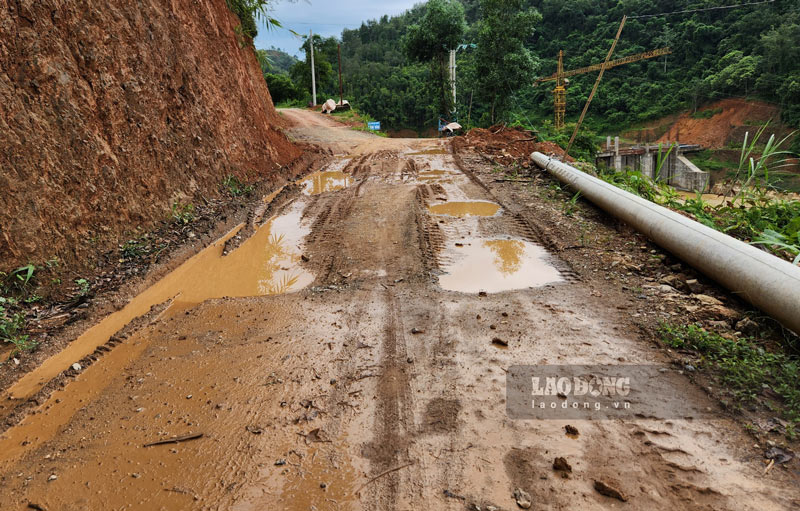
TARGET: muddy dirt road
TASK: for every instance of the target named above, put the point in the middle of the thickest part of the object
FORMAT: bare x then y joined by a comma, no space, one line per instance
351,352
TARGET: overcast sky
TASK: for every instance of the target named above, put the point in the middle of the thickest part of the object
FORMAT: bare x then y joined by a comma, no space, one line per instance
327,18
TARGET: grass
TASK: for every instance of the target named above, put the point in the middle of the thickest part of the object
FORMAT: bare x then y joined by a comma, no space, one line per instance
746,368
705,114
708,161
358,121
182,214
235,187
12,324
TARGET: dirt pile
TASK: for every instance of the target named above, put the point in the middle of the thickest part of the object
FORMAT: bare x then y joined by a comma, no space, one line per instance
724,122
507,145
108,115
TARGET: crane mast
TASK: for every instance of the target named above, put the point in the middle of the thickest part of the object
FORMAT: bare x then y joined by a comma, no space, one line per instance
560,76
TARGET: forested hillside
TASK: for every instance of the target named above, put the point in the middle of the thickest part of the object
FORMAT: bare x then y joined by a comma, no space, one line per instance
751,51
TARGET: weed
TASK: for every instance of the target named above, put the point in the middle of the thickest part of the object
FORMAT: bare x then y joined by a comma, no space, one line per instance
182,214
83,286
236,188
569,207
132,249
22,276
12,323
705,114
745,367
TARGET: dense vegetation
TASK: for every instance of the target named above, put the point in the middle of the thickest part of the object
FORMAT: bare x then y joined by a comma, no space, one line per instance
748,51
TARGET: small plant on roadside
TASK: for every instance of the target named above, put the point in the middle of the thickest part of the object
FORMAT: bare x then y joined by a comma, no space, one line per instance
12,323
21,277
131,249
83,286
182,214
235,187
745,367
569,207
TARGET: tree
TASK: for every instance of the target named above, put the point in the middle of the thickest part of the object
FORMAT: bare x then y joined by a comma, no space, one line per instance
441,30
324,51
503,64
281,88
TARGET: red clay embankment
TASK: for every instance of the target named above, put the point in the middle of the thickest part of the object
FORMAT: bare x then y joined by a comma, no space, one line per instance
110,111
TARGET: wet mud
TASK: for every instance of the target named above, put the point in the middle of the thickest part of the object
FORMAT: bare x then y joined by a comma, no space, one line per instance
351,354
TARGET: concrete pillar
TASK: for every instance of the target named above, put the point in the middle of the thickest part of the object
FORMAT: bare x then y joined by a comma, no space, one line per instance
608,143
617,157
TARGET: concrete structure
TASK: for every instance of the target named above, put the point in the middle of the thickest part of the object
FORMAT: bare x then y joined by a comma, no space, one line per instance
677,171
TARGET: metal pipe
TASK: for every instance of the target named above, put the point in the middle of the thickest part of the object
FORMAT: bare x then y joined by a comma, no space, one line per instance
769,283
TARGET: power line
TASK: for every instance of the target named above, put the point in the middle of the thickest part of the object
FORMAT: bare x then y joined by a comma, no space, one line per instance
688,11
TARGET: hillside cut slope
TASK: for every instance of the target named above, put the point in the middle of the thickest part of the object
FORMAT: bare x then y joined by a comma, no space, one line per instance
110,111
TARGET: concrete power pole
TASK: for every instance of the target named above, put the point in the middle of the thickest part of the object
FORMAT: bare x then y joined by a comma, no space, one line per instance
453,78
313,74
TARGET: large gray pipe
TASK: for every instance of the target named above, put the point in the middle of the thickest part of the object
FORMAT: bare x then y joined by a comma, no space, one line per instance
769,283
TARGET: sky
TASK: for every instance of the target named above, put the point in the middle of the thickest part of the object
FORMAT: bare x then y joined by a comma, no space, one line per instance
324,17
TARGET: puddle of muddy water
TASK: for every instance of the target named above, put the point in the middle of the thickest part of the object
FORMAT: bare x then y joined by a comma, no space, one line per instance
325,181
495,265
437,176
465,209
266,263
424,152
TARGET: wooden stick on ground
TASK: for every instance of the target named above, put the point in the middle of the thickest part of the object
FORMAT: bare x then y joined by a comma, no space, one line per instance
175,440
395,469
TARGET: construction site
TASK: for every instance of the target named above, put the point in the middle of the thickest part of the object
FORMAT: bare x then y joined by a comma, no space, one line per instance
211,303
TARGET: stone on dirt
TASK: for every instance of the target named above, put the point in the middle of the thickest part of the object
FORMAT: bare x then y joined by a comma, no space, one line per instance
606,489
560,464
523,498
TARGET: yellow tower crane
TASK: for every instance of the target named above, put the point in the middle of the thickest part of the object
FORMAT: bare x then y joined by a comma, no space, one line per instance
560,77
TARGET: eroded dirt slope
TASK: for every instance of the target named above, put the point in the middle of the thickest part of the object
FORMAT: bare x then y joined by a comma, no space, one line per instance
109,111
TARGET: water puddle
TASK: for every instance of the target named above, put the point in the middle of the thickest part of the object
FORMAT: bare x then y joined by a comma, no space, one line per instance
267,263
436,176
423,152
465,209
325,181
495,265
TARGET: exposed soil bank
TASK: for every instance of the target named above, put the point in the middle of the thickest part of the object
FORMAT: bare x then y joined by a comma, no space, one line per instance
109,113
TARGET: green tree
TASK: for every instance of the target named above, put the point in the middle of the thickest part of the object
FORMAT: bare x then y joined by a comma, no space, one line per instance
503,64
281,88
324,58
736,72
440,30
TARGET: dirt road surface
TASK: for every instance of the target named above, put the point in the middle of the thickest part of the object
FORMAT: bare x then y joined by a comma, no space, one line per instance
351,352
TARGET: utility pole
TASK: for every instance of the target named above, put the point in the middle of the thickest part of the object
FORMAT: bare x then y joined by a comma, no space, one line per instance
341,90
313,74
453,80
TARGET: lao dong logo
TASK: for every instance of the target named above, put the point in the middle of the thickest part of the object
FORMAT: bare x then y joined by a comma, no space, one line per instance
596,392
579,387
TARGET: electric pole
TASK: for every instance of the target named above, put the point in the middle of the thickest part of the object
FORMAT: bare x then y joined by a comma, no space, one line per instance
453,80
313,74
341,90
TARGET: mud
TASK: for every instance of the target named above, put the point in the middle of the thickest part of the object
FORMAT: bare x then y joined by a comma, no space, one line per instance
267,263
373,388
495,265
324,182
465,209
